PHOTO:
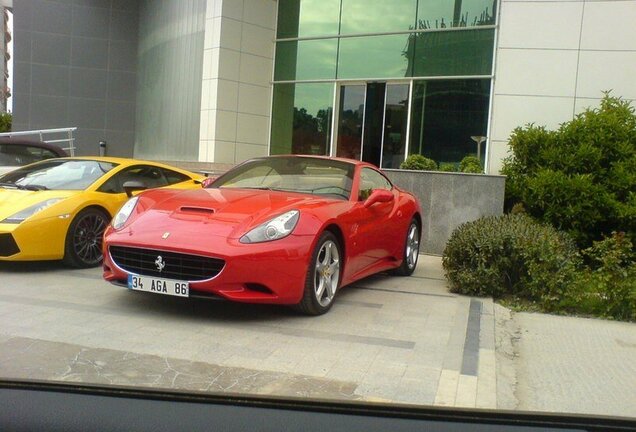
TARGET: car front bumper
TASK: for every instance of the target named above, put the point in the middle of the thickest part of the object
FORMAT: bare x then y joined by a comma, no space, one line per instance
270,272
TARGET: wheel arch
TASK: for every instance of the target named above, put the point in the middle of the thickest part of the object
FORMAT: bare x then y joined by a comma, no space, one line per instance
95,207
337,232
418,219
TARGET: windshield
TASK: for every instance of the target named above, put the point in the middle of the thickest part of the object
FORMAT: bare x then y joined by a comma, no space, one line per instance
292,174
58,174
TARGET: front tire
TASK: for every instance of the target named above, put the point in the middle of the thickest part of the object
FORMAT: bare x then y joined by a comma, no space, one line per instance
411,250
323,276
83,246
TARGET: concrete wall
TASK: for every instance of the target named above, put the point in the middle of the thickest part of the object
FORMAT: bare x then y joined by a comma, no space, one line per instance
448,200
237,72
75,65
554,59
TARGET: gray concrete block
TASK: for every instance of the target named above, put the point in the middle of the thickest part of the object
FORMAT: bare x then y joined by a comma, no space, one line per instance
120,143
21,46
122,86
450,199
22,15
49,80
49,48
87,113
120,115
124,25
51,17
90,22
49,111
21,79
89,52
129,5
93,3
122,56
88,83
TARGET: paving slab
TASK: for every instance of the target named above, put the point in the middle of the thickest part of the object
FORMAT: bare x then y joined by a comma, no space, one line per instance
575,365
398,339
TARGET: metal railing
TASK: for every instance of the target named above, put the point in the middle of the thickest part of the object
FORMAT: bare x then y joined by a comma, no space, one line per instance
52,140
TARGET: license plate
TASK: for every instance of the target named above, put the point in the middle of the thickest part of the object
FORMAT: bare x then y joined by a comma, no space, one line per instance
158,285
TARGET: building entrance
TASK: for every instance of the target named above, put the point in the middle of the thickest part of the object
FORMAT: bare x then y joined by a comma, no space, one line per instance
372,122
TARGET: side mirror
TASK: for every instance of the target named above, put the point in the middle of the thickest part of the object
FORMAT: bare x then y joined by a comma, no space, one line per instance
207,181
133,185
378,195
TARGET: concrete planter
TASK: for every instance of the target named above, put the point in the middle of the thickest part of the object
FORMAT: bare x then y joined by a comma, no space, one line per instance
450,199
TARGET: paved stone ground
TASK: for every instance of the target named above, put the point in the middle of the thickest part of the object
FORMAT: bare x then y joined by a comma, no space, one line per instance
404,340
575,365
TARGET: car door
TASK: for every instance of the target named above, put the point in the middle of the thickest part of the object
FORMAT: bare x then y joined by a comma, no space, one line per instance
372,225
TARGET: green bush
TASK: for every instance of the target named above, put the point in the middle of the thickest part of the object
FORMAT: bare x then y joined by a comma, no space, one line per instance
608,287
419,162
511,256
471,164
447,167
580,178
5,122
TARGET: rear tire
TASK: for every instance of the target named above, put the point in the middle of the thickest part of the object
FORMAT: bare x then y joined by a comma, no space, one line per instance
323,276
411,250
84,238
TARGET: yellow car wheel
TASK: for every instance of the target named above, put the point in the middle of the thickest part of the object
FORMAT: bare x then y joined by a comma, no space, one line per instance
83,246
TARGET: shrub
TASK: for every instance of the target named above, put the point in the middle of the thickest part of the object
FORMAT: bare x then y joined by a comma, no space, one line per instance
580,178
5,122
510,255
471,164
419,162
608,288
447,167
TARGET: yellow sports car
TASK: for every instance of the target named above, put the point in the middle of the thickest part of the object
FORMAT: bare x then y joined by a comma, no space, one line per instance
59,208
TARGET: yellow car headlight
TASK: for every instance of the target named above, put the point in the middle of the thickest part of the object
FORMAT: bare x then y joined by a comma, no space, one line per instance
20,216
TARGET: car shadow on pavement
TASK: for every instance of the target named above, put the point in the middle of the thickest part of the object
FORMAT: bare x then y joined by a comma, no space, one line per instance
198,310
33,266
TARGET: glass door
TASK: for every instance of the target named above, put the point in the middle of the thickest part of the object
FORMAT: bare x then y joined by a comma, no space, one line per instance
372,119
396,110
350,121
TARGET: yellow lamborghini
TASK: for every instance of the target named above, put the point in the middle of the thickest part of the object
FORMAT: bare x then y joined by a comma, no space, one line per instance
59,208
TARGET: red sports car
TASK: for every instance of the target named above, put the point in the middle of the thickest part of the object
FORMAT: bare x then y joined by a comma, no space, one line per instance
281,229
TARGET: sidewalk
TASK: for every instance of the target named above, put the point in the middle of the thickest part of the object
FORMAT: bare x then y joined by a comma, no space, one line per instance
575,365
536,362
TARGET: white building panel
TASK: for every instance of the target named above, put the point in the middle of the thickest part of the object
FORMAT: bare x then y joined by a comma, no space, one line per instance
609,25
555,25
607,70
536,72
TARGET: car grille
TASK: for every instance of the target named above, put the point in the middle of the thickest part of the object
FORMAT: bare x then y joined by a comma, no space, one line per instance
177,265
8,246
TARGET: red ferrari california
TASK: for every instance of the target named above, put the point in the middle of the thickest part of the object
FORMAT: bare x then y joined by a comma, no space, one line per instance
282,229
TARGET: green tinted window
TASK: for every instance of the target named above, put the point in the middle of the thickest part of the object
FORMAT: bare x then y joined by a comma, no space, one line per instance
301,118
303,60
436,14
302,18
373,57
444,116
377,16
452,53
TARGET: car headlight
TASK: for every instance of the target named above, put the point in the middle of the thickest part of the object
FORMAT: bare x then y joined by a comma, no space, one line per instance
124,213
274,229
30,211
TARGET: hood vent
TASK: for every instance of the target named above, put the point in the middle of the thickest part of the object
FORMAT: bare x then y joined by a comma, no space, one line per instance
200,210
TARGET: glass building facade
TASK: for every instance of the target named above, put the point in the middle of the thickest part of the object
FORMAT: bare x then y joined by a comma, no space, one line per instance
377,80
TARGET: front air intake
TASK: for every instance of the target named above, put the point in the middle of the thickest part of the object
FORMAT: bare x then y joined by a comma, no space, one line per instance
164,264
8,246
